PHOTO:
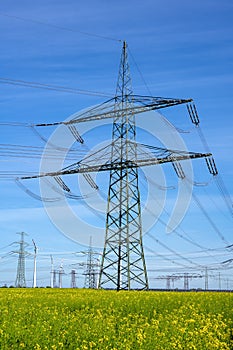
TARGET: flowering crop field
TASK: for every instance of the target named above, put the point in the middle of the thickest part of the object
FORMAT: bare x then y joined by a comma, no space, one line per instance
96,319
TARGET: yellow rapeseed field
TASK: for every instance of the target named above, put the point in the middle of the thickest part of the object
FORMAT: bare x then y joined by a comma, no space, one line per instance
54,319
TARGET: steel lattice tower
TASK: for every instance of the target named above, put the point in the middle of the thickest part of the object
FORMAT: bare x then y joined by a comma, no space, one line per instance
73,279
60,273
206,279
123,263
20,281
90,273
54,279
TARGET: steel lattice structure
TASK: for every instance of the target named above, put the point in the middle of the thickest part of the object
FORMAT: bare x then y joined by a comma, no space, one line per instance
20,281
123,263
91,269
73,279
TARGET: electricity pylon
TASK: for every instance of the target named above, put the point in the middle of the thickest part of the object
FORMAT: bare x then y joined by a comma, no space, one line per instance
54,279
206,279
123,263
20,281
169,279
91,269
73,279
187,276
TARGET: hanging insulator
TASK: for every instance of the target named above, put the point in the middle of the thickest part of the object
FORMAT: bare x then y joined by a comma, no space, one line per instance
61,183
196,115
91,182
178,169
75,133
193,114
211,165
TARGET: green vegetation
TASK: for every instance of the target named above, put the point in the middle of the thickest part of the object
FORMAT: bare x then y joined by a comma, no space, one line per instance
55,319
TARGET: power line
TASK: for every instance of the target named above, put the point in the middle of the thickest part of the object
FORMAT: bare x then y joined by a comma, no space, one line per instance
209,219
37,85
140,73
193,114
17,151
185,236
59,27
173,251
165,257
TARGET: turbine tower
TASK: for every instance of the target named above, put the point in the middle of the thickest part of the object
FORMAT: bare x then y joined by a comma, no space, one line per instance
60,273
52,281
20,281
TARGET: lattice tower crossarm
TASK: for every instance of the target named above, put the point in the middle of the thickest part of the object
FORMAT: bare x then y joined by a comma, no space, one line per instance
106,110
83,167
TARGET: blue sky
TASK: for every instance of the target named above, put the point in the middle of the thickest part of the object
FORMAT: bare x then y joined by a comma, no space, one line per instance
176,49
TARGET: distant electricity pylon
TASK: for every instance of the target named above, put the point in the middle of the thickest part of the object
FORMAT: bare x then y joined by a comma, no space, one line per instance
123,263
60,274
20,281
169,279
187,277
54,273
91,271
73,279
54,279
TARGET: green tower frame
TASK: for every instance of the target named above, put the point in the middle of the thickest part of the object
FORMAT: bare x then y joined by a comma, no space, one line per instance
123,262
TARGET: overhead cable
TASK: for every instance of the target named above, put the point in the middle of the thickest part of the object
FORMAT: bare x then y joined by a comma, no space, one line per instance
37,85
59,27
